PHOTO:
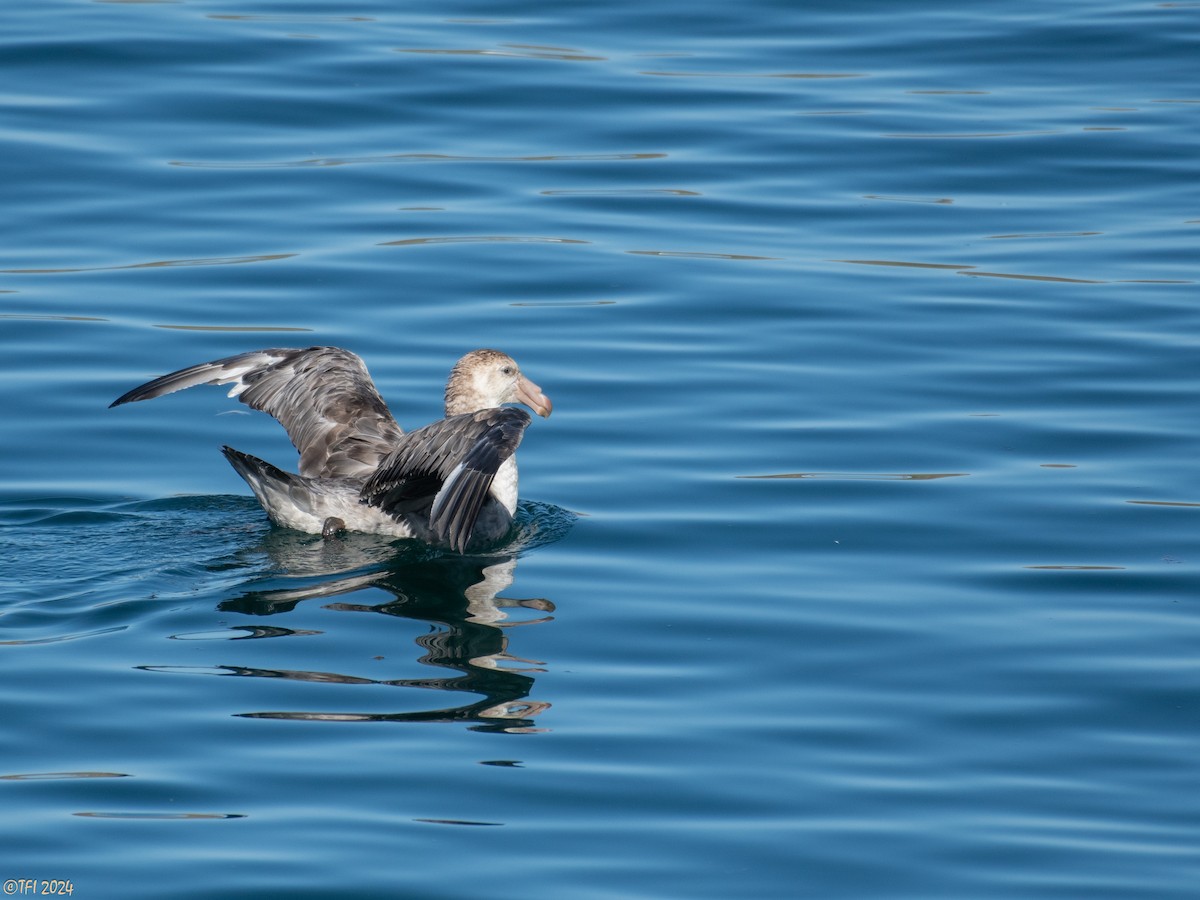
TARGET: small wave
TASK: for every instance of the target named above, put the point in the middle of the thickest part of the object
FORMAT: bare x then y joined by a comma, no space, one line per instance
55,776
518,51
482,239
158,815
863,476
157,264
326,161
695,254
60,638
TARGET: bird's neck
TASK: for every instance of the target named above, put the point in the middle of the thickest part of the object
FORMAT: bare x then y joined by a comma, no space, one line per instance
460,400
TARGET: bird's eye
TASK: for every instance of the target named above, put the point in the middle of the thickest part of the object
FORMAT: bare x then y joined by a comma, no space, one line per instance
507,370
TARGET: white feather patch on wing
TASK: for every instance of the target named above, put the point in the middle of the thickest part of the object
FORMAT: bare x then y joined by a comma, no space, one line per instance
446,491
235,375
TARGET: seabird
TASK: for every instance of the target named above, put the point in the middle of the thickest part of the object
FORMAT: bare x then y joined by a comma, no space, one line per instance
452,483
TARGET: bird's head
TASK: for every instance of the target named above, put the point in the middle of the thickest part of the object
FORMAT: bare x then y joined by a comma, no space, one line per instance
487,378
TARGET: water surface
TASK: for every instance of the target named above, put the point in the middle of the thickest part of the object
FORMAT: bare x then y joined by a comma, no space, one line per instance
858,559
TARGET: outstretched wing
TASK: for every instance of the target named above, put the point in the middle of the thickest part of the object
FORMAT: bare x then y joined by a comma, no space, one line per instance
448,466
323,396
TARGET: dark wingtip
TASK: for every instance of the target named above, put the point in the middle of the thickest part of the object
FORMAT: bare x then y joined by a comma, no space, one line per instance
138,393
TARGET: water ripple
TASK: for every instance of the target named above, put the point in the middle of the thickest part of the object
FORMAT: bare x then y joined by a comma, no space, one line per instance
63,318
943,201
862,476
1020,276
518,51
456,822
674,192
60,638
1163,503
236,328
56,776
799,75
164,816
1046,234
247,17
973,271
482,239
158,264
903,264
418,158
973,135
696,254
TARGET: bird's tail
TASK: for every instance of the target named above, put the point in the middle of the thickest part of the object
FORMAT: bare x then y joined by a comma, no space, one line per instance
275,489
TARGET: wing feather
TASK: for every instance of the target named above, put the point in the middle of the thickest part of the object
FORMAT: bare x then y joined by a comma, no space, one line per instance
323,396
449,466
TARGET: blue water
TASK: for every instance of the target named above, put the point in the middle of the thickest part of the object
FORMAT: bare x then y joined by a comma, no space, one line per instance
859,558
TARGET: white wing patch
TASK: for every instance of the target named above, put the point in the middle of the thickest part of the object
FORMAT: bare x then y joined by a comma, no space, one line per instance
447,489
235,375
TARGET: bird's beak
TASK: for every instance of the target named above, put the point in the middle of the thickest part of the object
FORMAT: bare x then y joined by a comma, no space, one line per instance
531,395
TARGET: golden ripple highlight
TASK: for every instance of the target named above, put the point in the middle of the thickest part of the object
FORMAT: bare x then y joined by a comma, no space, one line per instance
481,239
686,254
329,161
158,264
862,476
519,51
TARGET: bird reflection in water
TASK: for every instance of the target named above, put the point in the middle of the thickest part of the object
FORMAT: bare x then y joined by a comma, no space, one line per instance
460,598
